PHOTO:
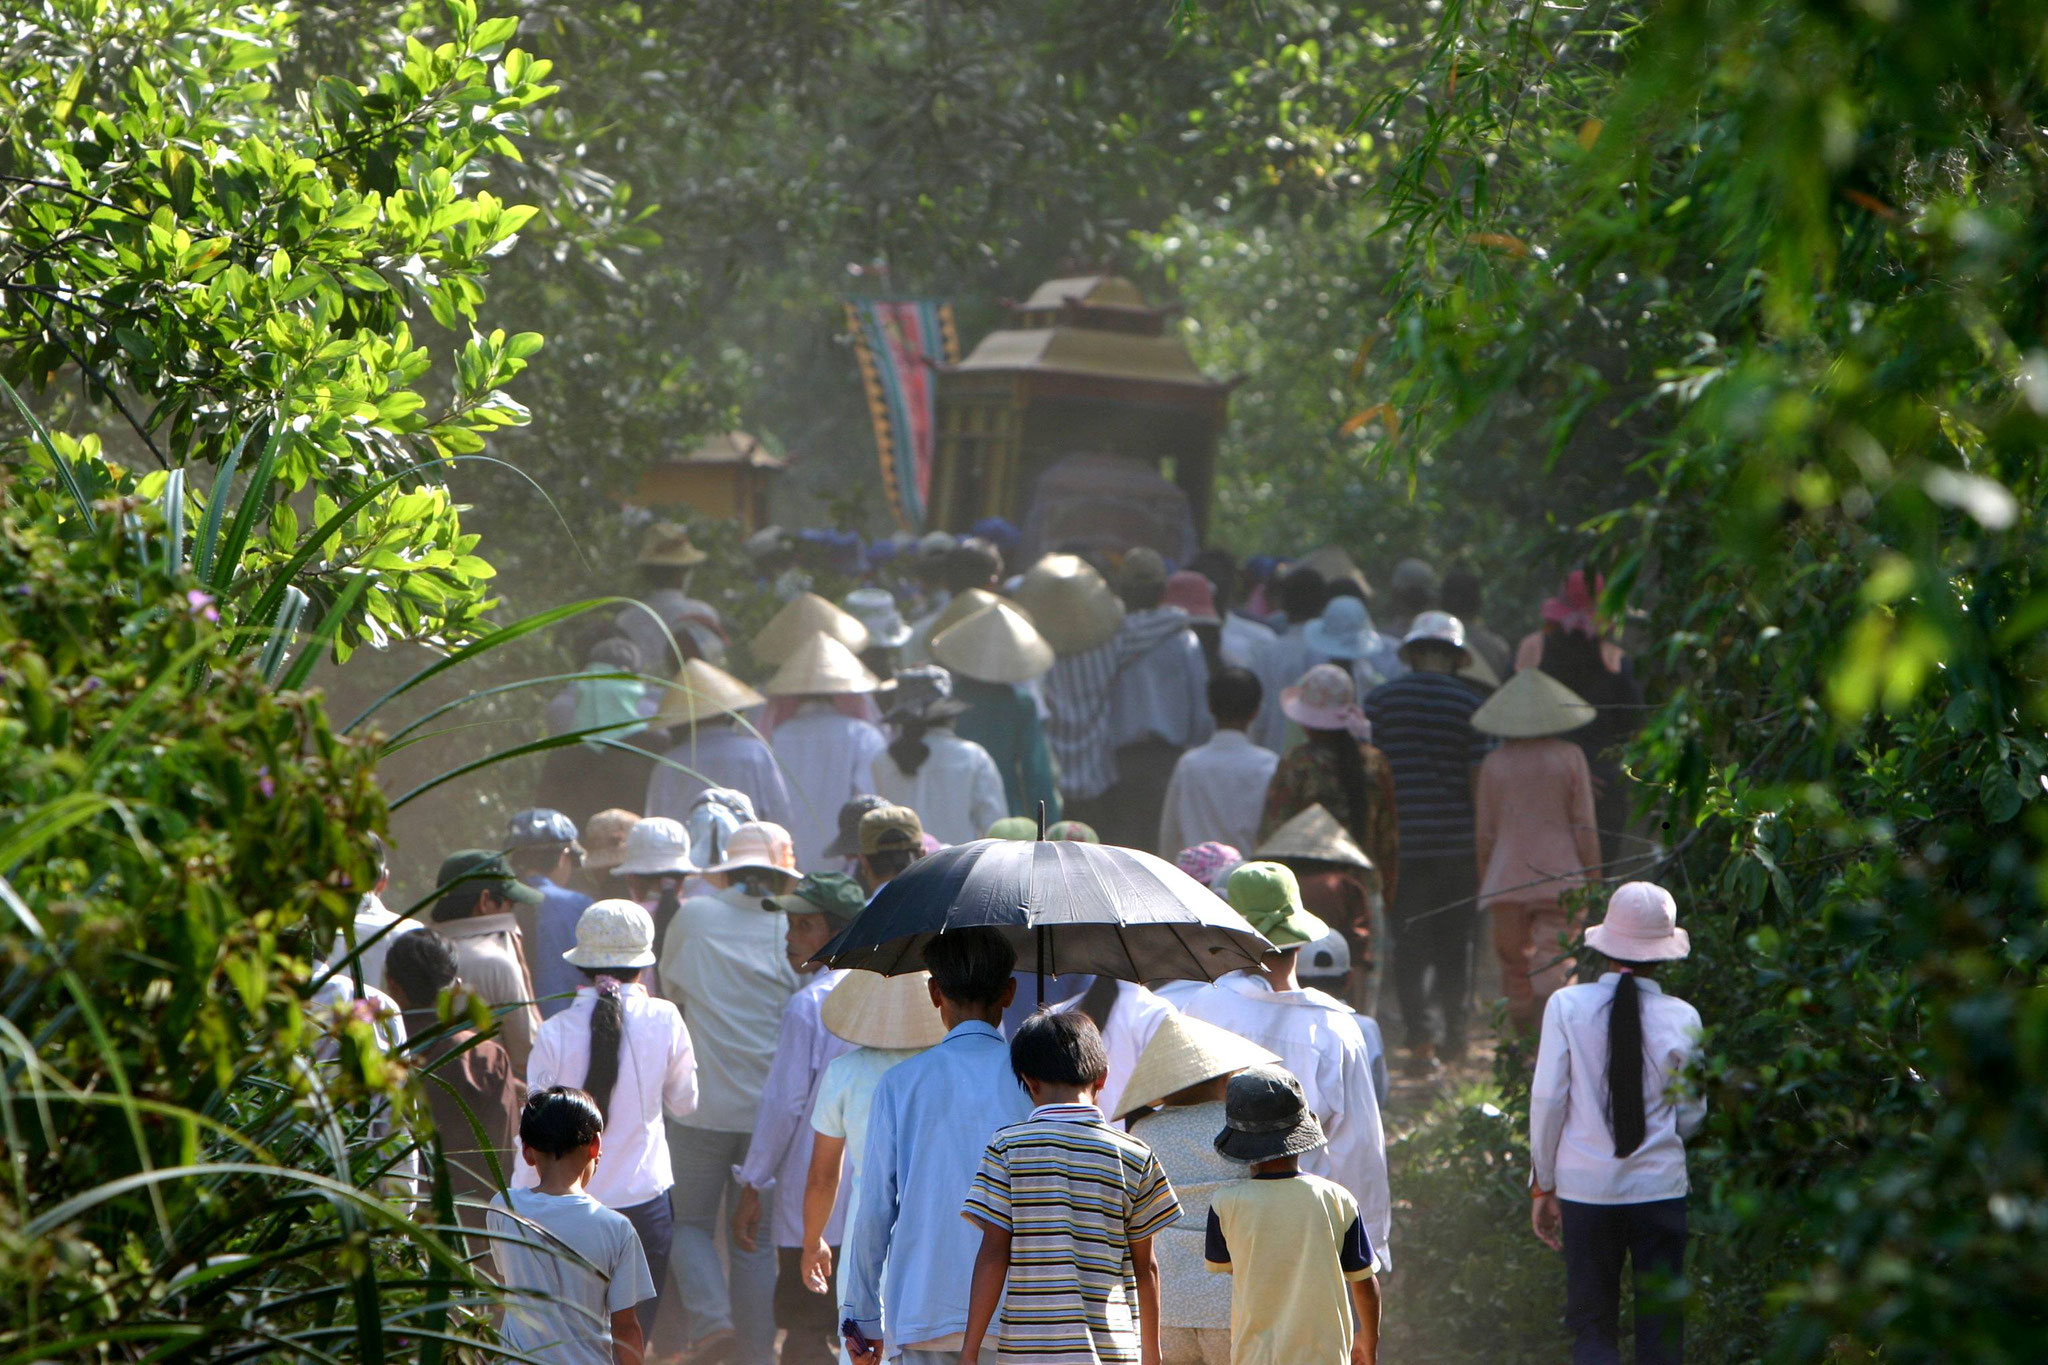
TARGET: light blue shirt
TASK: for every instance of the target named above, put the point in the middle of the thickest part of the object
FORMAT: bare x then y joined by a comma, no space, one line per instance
931,1121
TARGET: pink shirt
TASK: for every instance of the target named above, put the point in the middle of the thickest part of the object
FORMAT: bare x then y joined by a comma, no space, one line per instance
1536,835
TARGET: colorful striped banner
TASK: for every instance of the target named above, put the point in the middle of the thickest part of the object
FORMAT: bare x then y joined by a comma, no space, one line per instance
898,343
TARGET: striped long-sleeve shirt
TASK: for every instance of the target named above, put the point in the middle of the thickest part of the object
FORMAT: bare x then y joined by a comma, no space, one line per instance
1073,1193
1422,722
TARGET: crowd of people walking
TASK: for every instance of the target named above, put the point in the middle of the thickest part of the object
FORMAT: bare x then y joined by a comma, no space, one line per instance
753,1155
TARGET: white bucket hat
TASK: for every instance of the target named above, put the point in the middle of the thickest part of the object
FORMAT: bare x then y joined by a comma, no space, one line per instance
1436,627
616,934
876,609
656,847
1641,926
1186,1051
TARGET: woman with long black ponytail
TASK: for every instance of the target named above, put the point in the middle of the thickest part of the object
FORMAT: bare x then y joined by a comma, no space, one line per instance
631,1053
1608,1119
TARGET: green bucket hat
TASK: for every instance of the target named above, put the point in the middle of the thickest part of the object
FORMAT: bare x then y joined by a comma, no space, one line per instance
1268,896
834,895
1013,827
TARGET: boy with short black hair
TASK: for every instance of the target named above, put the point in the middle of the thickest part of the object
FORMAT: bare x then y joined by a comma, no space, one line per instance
928,1126
1067,1207
1293,1241
563,1311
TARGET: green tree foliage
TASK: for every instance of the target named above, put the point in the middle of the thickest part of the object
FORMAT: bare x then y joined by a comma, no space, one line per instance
1771,263
230,250
182,1176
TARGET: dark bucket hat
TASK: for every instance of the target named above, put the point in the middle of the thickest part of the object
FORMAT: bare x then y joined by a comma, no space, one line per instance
1266,1116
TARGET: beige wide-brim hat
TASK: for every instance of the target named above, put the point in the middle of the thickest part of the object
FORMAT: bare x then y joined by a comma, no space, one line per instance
1070,603
823,667
805,616
997,644
604,838
963,605
1532,705
703,691
1186,1051
1313,835
668,545
870,1010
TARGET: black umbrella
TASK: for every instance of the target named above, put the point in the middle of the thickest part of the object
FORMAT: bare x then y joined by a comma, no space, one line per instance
1070,906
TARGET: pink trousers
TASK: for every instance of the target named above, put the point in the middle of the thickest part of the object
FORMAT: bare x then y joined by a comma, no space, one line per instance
1530,940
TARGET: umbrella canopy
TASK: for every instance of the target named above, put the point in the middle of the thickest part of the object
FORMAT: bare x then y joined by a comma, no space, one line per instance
1068,907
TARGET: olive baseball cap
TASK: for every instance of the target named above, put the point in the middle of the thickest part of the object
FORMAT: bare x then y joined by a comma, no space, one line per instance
834,895
468,874
890,829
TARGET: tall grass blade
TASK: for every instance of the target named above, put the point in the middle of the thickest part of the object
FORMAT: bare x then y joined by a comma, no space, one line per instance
278,646
206,546
65,473
330,624
172,504
229,557
483,644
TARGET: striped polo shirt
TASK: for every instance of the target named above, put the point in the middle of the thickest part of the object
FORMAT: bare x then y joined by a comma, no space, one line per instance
1422,722
1073,1193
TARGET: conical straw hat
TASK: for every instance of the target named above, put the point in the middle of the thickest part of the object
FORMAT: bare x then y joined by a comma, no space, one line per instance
821,666
997,644
807,615
869,1010
1478,670
1185,1051
703,691
963,605
1070,603
1332,563
1530,705
1315,835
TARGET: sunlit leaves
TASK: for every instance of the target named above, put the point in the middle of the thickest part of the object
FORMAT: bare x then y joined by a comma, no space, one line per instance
232,256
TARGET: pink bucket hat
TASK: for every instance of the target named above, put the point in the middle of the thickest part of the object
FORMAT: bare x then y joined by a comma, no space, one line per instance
1193,594
1206,862
1641,926
1324,699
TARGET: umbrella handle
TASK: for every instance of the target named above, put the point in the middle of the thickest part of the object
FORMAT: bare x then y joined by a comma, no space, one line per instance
1041,820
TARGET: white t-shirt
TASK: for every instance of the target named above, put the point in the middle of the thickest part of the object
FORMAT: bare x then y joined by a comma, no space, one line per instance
563,1313
845,1095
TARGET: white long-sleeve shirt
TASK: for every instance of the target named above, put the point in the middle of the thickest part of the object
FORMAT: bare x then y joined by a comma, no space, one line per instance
718,755
957,792
1218,791
826,758
657,1072
723,964
1571,1145
1318,1039
779,1155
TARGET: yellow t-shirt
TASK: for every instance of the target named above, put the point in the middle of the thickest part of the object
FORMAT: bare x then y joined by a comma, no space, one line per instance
1292,1241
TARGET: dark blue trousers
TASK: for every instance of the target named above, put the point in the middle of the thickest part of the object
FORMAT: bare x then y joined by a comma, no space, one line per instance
1597,1237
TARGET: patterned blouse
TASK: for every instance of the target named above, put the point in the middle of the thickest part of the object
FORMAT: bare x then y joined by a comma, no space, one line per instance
1308,776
